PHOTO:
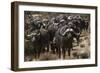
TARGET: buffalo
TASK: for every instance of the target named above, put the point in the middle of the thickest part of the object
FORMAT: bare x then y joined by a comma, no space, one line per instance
40,42
64,40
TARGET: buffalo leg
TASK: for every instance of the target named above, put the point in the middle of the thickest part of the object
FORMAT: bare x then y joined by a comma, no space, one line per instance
53,49
47,48
69,51
35,54
59,52
64,52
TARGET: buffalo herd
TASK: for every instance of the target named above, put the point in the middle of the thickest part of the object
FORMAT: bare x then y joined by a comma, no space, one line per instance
54,35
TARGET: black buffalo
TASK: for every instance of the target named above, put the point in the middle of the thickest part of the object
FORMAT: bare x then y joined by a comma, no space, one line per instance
40,42
63,40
